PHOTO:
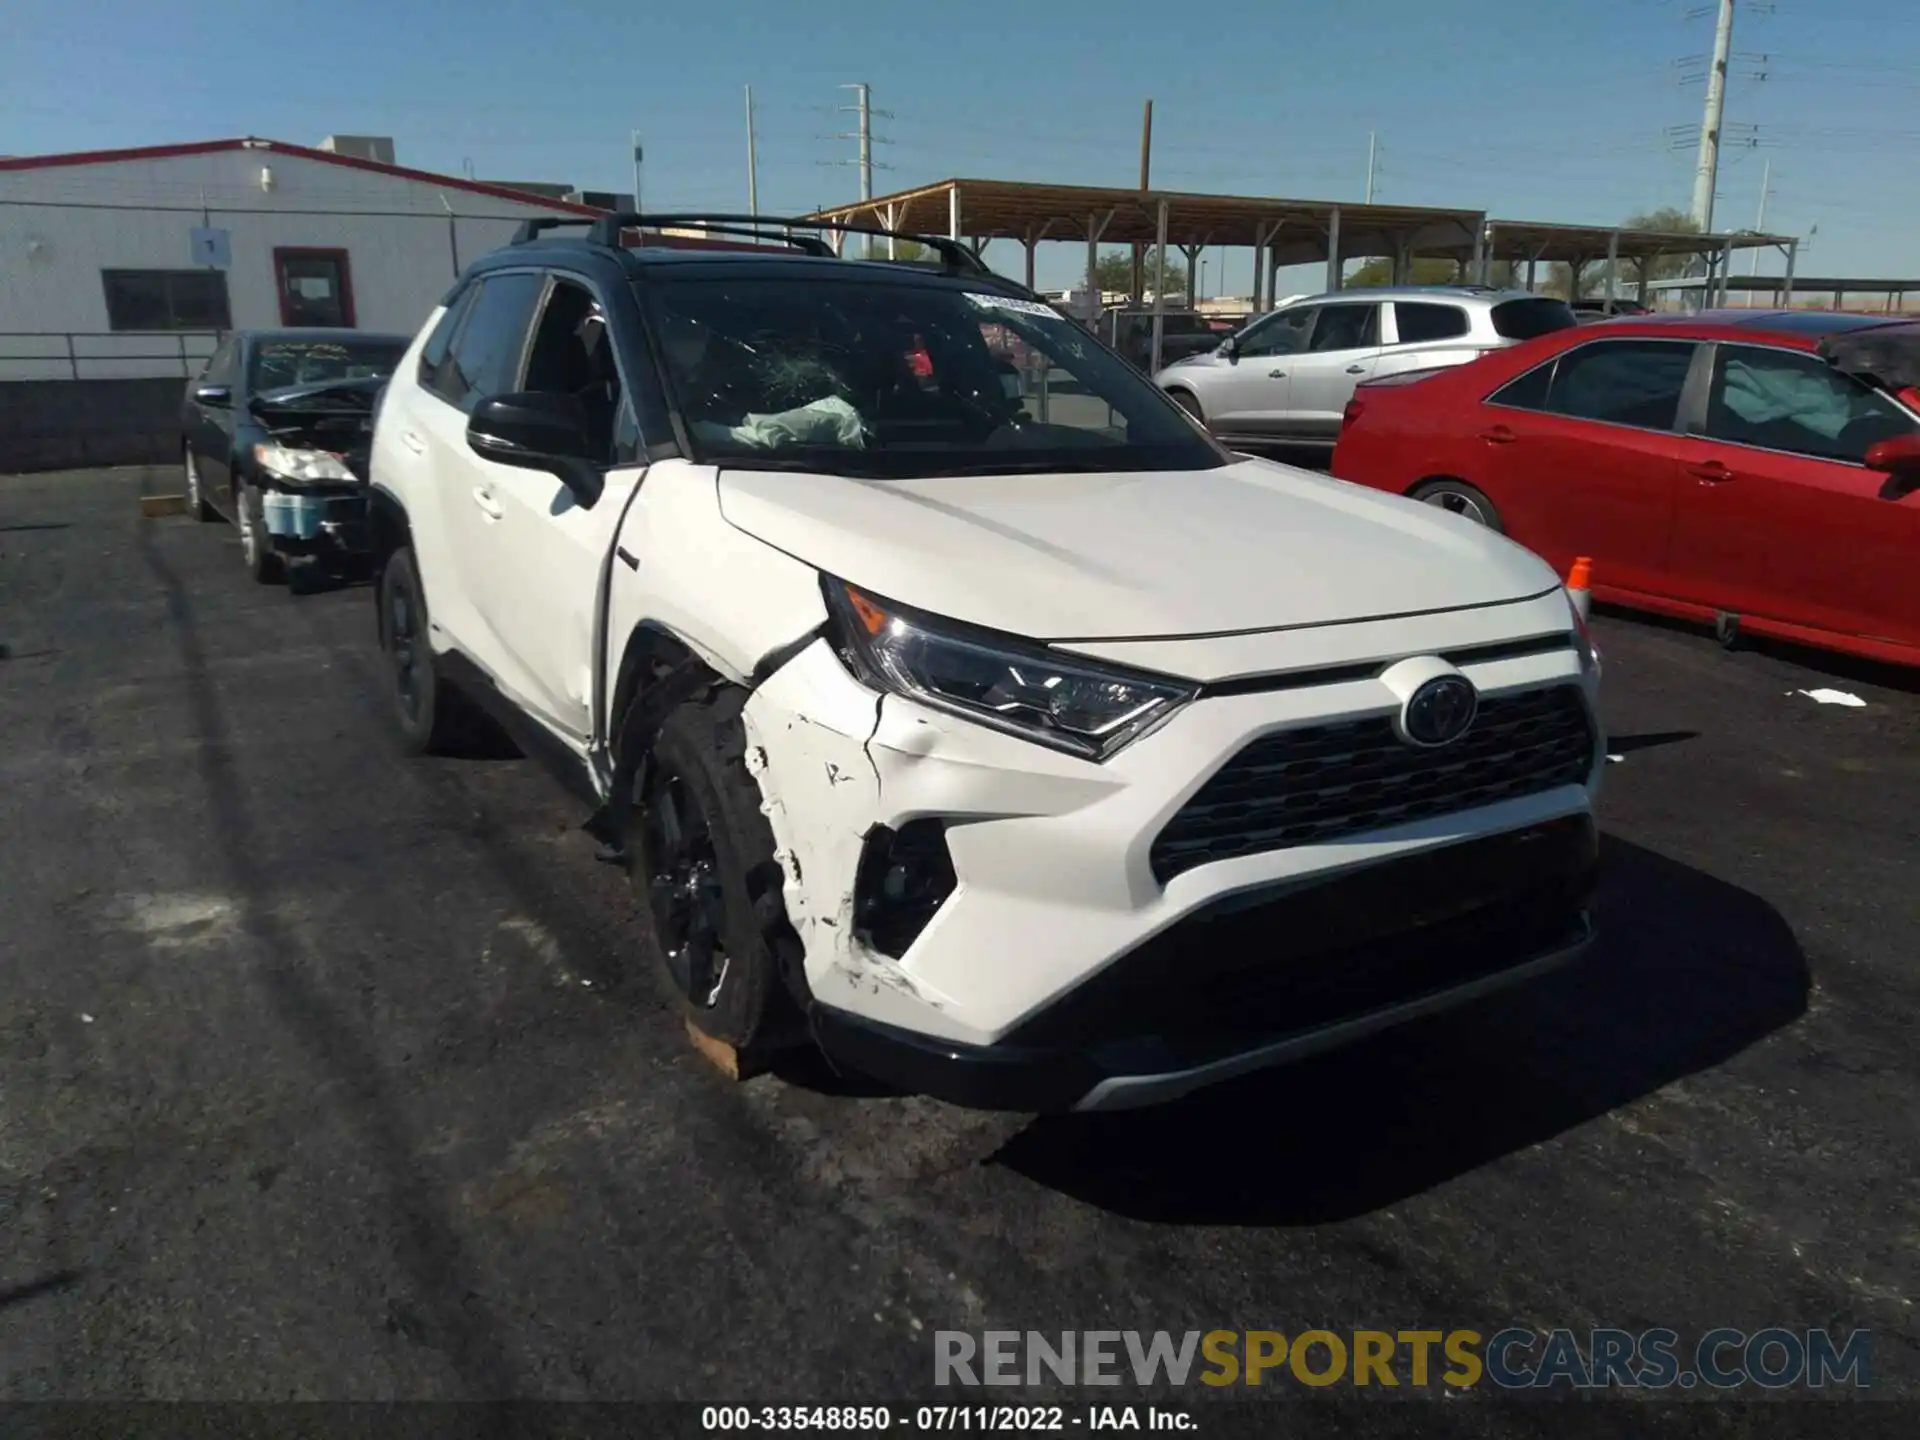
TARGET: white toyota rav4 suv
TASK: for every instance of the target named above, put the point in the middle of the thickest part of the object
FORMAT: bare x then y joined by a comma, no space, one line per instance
954,701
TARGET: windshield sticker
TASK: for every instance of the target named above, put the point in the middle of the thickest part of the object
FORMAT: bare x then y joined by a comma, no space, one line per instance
1007,302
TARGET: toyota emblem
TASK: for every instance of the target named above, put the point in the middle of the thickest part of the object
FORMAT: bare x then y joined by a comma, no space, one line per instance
1439,712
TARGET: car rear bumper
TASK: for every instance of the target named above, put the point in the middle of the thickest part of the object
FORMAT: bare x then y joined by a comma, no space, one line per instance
1262,979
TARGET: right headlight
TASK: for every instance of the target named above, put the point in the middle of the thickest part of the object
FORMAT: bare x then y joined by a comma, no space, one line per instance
1081,707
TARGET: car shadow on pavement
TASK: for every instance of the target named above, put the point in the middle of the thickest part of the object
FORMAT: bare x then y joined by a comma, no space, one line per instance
1830,663
1688,972
444,1278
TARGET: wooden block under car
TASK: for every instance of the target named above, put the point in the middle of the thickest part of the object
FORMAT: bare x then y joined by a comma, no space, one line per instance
730,1062
153,506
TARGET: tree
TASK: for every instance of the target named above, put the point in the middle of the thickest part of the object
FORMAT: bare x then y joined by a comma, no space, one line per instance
1379,271
1664,267
1114,271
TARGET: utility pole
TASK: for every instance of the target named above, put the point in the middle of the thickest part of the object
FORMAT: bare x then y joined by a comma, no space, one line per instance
864,106
1760,220
1146,171
636,172
1707,172
753,171
1372,151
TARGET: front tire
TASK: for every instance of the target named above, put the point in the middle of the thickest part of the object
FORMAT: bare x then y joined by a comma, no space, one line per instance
423,707
1189,403
712,893
1459,498
256,546
197,505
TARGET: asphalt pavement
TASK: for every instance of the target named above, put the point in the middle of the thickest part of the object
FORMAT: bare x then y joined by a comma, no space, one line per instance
327,1074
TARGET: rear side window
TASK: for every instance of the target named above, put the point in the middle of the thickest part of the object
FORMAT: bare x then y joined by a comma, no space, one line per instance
484,359
433,355
1537,315
1623,382
1419,323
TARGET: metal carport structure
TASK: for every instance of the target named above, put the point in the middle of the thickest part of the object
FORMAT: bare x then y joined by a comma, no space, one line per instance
1281,231
1529,242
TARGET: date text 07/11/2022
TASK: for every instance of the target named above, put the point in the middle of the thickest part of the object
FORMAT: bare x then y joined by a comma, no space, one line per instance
995,1418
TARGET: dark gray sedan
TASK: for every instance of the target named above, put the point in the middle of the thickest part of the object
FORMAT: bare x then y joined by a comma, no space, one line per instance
274,437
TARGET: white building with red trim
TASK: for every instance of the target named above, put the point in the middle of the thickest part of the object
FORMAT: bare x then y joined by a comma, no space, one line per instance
127,263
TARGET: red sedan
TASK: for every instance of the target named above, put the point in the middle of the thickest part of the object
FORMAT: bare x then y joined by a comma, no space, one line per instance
1725,466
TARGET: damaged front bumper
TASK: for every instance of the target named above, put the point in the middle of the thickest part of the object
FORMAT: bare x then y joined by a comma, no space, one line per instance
1240,987
991,922
316,520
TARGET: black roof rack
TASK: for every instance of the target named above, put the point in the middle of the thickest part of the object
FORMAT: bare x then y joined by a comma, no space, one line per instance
607,229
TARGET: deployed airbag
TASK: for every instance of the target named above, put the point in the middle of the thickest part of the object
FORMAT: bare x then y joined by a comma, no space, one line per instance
830,421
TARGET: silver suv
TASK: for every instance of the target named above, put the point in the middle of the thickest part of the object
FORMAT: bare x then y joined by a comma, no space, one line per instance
1288,375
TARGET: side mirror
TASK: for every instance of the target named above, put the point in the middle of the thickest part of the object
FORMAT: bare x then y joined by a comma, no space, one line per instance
532,431
1897,456
1227,349
219,396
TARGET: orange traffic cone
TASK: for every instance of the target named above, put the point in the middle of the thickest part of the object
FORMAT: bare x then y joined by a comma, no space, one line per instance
1580,585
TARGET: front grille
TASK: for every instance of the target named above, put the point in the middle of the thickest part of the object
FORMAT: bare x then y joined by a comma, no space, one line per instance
1322,782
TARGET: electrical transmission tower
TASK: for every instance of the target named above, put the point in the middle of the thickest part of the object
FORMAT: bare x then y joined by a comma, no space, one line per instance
863,108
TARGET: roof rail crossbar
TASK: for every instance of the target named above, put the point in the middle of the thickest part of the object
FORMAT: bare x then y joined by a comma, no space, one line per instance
532,229
607,230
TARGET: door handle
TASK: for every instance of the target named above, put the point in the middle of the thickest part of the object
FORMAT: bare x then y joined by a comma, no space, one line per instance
1710,472
1356,369
488,505
413,442
1498,435
1276,374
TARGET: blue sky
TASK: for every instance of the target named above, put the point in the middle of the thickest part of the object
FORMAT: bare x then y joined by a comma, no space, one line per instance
1559,110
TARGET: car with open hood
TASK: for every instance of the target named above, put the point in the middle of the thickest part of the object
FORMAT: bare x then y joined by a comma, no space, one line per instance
275,435
985,724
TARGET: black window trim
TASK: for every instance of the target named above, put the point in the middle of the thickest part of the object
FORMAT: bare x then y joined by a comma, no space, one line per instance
1692,391
1694,418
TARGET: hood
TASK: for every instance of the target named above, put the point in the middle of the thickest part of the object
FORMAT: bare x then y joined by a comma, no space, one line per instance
354,397
336,416
1252,545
